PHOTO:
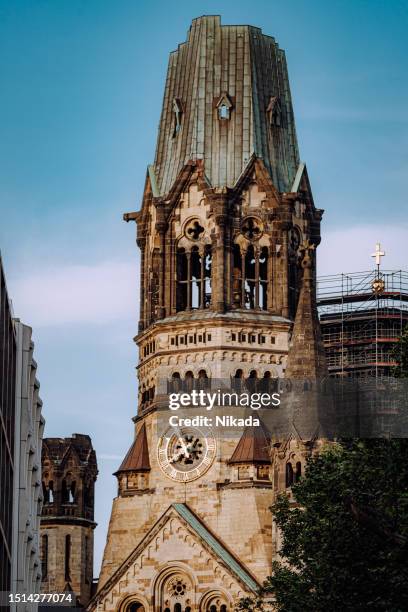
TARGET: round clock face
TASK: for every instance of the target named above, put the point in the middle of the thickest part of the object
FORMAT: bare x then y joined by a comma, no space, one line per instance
186,453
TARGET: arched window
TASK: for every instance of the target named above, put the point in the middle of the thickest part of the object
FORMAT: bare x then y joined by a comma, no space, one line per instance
177,607
193,271
263,279
71,493
289,475
135,606
203,380
175,382
250,277
44,556
50,492
298,473
67,557
216,604
189,380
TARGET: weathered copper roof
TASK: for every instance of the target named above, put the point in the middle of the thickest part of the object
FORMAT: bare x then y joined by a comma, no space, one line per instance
253,447
240,62
137,457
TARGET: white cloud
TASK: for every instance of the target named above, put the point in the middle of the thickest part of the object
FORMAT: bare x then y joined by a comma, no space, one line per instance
349,249
57,295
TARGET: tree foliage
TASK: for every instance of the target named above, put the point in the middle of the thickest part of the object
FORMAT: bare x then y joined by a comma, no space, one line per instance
345,543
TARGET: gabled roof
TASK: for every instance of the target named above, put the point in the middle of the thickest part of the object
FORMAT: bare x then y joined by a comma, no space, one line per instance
137,457
216,546
197,528
224,99
253,447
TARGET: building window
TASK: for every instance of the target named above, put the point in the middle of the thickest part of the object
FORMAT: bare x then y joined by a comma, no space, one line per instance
67,557
262,472
48,493
135,606
250,278
289,475
177,114
68,492
223,112
193,278
298,473
274,112
224,107
44,556
175,383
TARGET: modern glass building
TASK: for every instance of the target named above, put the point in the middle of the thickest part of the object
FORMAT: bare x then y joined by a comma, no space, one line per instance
8,352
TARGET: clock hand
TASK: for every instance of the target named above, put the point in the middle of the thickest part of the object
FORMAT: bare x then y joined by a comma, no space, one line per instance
181,440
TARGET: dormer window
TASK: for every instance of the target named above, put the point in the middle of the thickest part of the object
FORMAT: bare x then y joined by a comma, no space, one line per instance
274,111
223,112
177,113
224,107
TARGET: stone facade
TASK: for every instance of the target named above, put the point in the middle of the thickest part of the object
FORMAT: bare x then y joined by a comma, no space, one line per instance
227,218
67,523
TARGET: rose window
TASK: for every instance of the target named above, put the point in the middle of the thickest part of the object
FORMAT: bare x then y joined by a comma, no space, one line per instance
177,587
193,229
251,228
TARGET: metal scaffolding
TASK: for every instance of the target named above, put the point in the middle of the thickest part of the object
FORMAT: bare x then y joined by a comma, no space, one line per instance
362,315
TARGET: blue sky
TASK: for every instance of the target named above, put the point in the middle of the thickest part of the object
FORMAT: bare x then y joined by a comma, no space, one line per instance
82,84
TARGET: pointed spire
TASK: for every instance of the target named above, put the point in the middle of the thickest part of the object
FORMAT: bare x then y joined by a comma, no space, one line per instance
306,358
253,447
137,457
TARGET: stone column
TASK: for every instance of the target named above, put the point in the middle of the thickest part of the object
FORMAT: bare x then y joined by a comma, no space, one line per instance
141,243
219,206
161,228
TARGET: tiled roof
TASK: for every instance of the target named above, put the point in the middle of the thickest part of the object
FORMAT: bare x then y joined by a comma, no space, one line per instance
253,447
137,457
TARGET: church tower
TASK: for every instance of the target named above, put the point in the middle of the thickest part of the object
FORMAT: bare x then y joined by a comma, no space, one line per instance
69,471
226,219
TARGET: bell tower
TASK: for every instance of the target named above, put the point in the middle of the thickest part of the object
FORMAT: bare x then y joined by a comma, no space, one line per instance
69,471
226,219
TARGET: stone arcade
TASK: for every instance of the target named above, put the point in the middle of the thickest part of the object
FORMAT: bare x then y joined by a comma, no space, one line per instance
227,232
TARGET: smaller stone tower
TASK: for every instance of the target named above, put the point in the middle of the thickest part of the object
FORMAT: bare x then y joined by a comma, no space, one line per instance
69,471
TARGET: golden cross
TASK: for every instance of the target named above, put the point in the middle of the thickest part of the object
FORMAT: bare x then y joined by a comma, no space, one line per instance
378,254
